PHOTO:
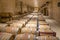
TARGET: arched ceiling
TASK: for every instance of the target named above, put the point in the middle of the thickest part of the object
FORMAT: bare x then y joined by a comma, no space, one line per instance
32,2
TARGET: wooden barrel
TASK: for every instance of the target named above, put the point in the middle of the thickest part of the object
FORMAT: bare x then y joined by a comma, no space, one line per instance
12,21
35,16
44,27
41,18
2,26
23,21
32,22
19,25
4,19
33,30
31,25
28,30
29,16
25,18
24,37
47,38
13,30
43,23
6,36
33,19
46,32
25,30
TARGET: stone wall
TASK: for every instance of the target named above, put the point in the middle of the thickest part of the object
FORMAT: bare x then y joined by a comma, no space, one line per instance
7,7
53,9
56,10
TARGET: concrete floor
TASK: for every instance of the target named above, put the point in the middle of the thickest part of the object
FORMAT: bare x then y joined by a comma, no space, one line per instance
55,26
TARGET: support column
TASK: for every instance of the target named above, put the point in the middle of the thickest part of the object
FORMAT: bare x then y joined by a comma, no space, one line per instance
18,7
24,8
28,8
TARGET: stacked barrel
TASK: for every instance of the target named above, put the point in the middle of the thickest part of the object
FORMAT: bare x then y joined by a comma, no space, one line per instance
12,28
28,32
29,27
44,30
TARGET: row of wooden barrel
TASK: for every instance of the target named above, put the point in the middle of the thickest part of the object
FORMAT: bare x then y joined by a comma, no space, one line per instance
29,31
12,28
15,26
25,36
